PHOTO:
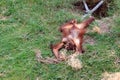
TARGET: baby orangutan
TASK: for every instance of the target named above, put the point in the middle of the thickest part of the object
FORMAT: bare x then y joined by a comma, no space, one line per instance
72,36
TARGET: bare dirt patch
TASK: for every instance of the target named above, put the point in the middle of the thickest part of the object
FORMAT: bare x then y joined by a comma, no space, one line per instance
105,24
89,40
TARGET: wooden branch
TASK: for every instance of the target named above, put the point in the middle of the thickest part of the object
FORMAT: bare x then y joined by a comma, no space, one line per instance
86,6
97,6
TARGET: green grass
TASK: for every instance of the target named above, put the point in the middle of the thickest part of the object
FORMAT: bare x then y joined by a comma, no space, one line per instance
29,24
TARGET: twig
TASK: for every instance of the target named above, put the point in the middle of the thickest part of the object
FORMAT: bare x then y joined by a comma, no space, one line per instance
86,6
97,6
47,60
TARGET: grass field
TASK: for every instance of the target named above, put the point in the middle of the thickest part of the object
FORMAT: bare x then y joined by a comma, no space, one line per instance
26,25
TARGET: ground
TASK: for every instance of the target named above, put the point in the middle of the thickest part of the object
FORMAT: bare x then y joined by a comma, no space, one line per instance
26,25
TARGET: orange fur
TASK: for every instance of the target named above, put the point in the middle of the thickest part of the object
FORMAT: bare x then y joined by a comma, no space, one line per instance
72,36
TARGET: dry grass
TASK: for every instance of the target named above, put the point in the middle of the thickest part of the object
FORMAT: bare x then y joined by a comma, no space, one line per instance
71,60
111,76
3,17
74,62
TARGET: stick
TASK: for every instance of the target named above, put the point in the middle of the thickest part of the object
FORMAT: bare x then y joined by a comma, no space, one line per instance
97,6
86,6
